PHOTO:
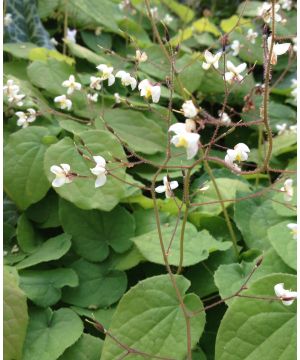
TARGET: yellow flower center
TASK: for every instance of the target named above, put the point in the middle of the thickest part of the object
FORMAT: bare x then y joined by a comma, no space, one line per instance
148,92
182,142
238,157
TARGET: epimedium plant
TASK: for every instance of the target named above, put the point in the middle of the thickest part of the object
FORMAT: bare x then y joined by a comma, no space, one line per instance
149,206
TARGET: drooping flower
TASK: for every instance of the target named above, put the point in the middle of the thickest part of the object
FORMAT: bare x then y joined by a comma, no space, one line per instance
117,98
281,128
141,56
234,72
62,175
148,90
189,109
24,119
237,154
235,47
211,60
106,73
278,49
184,138
168,19
167,187
99,170
224,118
71,84
95,82
126,79
251,36
283,294
71,35
288,190
293,228
92,97
265,11
64,102
7,19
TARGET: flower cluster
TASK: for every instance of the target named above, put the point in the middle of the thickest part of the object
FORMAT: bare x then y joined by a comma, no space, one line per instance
12,91
24,119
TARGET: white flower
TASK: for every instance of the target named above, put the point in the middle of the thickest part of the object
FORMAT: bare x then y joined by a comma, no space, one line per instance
281,128
282,293
62,175
234,72
278,49
167,187
148,90
126,79
63,102
107,73
92,97
141,56
288,190
211,60
293,128
95,82
189,109
71,84
11,90
117,98
7,19
236,47
53,41
294,40
293,228
224,118
238,153
100,171
168,19
286,4
154,12
265,11
71,35
184,138
251,36
26,118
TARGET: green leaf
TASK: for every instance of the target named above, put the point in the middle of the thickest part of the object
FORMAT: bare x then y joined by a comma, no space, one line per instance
51,249
92,13
50,333
230,277
27,25
255,329
98,229
284,143
15,318
45,212
149,318
197,245
249,8
27,237
24,179
185,13
205,25
227,25
103,316
135,31
49,75
98,286
82,192
43,287
88,347
281,238
127,260
254,217
227,187
141,134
